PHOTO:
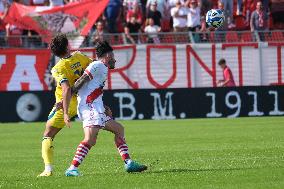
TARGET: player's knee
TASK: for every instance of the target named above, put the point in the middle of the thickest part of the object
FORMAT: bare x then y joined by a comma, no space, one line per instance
48,133
90,141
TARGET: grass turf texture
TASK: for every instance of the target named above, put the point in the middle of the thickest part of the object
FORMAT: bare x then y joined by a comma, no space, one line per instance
197,153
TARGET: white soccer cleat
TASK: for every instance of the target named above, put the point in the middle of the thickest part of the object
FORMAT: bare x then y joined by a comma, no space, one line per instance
45,174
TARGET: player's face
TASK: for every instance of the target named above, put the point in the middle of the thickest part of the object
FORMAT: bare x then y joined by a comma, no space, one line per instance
223,66
111,60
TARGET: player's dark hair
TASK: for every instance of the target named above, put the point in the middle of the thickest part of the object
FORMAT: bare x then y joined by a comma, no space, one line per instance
59,45
222,61
102,47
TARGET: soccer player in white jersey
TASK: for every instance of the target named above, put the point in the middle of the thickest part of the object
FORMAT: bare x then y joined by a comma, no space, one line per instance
94,114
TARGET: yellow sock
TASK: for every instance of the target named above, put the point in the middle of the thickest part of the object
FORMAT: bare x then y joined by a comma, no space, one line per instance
47,151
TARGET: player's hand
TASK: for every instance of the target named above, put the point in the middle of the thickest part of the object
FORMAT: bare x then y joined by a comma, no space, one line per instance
108,111
59,105
67,120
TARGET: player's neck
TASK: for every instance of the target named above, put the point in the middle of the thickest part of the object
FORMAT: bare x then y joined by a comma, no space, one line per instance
67,55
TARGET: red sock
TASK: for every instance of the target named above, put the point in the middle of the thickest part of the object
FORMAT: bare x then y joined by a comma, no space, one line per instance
122,148
81,153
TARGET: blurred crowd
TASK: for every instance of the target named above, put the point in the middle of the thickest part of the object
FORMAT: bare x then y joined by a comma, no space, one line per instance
154,16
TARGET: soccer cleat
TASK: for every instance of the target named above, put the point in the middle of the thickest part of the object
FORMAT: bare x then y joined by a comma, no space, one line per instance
72,173
45,174
132,166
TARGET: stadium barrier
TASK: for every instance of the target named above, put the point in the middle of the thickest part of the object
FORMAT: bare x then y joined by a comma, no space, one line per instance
35,41
157,104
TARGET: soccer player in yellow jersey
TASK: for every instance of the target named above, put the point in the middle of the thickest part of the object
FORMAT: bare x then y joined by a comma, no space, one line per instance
68,69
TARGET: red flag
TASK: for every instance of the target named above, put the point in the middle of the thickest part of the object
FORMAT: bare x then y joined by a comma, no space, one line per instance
75,18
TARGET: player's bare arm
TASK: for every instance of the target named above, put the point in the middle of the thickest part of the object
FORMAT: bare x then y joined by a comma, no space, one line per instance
79,83
66,96
226,81
108,111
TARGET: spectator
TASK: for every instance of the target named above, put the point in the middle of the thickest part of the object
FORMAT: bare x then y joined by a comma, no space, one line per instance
72,1
26,2
3,13
204,37
259,19
129,4
54,3
98,35
206,5
224,27
166,17
179,14
38,2
135,12
228,79
4,4
172,3
31,39
112,15
2,32
193,16
132,27
152,30
249,7
13,34
155,14
239,7
220,32
161,6
228,11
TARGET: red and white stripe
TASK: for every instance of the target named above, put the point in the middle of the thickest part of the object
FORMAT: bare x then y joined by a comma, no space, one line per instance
122,148
89,74
81,153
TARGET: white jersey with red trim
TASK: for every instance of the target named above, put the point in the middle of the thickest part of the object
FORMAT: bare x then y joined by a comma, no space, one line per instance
92,91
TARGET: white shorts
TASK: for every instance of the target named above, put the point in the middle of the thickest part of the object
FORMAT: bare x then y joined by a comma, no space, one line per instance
93,114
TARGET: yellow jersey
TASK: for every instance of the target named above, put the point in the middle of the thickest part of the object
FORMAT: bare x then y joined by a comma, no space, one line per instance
69,69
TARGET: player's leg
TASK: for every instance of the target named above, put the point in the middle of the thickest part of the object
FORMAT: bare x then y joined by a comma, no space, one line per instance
47,148
118,130
52,127
54,124
83,148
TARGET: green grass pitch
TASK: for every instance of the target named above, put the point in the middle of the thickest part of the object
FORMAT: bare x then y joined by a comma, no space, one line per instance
196,153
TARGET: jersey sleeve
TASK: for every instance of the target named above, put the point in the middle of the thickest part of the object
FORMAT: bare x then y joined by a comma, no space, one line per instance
59,74
91,70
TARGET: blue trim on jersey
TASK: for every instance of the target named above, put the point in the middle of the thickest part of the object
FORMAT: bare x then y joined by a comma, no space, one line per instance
51,114
62,80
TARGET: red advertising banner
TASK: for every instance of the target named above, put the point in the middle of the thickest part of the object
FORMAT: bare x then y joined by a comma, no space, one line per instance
155,66
23,70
